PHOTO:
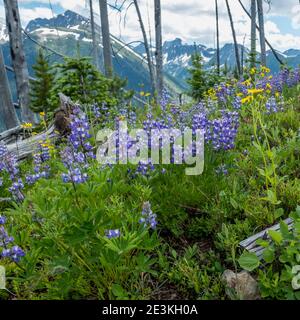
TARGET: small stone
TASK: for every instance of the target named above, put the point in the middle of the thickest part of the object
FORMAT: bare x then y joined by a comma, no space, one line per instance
241,285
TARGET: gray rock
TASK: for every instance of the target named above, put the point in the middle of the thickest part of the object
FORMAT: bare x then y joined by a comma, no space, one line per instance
240,285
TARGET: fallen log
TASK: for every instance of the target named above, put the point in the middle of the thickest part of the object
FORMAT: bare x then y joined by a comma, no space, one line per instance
10,135
250,244
26,147
22,147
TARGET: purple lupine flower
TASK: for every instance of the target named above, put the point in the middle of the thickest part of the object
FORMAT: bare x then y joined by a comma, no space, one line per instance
5,239
148,218
222,170
237,102
13,253
16,190
75,156
80,127
8,162
113,233
144,169
2,220
41,168
75,176
96,111
273,106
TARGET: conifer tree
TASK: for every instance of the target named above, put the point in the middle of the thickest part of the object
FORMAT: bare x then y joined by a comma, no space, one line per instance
80,80
197,80
41,88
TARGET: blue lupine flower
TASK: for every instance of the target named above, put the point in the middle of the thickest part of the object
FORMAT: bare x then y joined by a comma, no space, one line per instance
148,218
75,176
13,253
2,220
222,170
113,233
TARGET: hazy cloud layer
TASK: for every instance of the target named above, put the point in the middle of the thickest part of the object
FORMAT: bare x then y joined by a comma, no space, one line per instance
191,20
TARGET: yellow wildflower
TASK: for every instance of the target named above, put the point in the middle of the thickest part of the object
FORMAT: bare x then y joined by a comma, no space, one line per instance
255,91
268,86
26,125
42,114
211,92
252,71
265,69
247,99
247,83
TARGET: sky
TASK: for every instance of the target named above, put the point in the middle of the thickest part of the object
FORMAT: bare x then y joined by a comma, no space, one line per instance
191,20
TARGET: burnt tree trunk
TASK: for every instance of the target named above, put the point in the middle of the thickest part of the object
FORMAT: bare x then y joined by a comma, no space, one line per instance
253,34
107,55
147,48
267,42
96,53
218,37
18,57
262,36
7,109
158,53
236,48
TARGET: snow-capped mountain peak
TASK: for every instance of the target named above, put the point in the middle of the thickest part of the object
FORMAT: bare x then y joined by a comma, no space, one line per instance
68,19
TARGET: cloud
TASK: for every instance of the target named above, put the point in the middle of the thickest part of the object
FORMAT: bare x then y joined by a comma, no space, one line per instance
191,20
31,14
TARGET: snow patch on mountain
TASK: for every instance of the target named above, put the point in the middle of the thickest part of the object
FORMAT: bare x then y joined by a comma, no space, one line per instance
46,33
3,31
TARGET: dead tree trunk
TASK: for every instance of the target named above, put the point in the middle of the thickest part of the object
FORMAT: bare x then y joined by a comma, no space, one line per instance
262,39
158,52
236,48
108,66
267,42
147,48
253,34
96,54
18,57
218,37
7,109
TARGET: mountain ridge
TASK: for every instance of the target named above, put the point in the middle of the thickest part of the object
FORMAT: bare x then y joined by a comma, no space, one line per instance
69,33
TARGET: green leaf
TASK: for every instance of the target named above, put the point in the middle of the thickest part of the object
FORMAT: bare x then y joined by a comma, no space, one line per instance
234,203
174,254
249,261
271,197
262,243
269,254
262,172
284,229
275,236
278,213
118,291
